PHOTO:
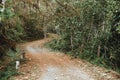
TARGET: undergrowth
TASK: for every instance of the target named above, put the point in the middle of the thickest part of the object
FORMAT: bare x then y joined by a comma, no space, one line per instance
99,61
91,33
8,71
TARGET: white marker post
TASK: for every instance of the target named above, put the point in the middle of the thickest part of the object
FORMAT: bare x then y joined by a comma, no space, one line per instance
17,65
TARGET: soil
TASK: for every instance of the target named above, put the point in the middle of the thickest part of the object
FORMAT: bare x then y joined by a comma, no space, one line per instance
45,64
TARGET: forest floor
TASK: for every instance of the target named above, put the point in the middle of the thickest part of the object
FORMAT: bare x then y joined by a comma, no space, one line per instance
45,64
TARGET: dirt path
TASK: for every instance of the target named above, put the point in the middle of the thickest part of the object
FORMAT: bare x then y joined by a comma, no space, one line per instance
44,64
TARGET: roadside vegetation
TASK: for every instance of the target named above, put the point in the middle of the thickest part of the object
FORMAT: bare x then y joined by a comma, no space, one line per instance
17,25
88,29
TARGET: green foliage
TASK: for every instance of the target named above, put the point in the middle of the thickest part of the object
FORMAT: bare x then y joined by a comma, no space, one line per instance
32,31
8,71
14,55
90,33
10,32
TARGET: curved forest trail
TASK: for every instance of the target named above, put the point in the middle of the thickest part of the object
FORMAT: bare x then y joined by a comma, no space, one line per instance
44,64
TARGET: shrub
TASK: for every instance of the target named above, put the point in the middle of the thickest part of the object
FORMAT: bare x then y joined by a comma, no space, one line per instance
89,33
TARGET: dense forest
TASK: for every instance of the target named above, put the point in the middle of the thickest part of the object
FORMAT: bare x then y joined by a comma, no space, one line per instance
88,29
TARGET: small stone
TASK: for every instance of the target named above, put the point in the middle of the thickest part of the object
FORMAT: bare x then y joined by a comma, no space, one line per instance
30,59
104,74
26,77
56,78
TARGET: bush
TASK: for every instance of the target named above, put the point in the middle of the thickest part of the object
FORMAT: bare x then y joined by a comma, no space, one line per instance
10,33
31,29
89,33
8,71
